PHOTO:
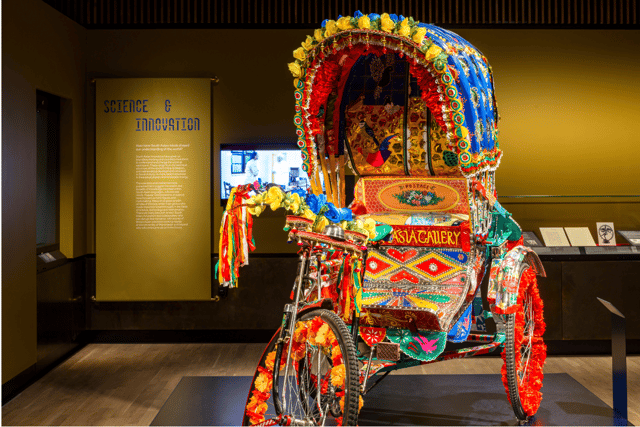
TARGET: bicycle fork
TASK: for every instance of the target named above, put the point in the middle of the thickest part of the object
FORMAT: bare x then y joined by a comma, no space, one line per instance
287,329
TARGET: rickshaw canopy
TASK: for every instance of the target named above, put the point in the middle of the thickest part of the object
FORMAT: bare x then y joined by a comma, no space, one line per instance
400,97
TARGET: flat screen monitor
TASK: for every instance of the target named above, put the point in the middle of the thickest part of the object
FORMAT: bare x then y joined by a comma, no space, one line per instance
267,163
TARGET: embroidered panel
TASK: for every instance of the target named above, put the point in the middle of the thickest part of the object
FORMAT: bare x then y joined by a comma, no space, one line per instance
406,266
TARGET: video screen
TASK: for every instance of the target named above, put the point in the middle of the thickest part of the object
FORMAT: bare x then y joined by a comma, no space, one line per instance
267,166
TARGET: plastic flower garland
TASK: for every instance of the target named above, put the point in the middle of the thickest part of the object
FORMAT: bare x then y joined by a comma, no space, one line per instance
316,70
317,333
530,395
236,237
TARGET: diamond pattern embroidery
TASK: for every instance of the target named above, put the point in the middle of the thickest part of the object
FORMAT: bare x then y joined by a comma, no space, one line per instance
378,266
435,266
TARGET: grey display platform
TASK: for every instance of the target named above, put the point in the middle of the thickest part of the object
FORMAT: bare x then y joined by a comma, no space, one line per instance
401,400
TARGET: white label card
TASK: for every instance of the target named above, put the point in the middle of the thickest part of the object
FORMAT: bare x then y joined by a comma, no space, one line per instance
554,236
579,236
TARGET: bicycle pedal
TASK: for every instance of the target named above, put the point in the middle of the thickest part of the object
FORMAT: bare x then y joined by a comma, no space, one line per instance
388,351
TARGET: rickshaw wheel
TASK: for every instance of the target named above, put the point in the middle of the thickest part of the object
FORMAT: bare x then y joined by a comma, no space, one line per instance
525,351
322,354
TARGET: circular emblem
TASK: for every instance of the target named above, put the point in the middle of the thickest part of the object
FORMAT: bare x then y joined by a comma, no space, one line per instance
433,267
373,265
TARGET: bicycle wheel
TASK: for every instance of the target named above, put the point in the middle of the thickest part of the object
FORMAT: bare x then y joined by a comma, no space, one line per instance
317,377
525,351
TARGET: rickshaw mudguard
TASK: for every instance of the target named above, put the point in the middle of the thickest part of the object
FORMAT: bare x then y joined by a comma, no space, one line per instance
504,277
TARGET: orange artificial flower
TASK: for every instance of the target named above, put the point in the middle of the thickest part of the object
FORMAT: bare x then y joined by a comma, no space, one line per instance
270,360
337,375
263,383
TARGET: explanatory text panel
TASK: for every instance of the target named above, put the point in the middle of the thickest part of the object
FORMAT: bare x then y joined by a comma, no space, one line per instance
153,207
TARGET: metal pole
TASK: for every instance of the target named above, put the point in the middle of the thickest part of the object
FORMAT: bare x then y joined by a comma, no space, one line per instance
618,364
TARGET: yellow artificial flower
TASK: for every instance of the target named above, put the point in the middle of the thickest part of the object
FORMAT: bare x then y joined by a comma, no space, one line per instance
364,22
419,34
344,23
294,203
343,224
308,44
317,34
322,223
331,28
360,403
299,54
432,52
370,226
274,197
256,210
296,71
405,29
308,213
386,23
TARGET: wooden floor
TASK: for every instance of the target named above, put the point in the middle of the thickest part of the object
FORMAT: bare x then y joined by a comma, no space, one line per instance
127,384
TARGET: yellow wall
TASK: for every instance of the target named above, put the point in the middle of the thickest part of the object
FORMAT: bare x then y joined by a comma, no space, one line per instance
253,101
568,101
41,49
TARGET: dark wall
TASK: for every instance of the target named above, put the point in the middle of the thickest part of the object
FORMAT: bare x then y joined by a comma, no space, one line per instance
42,50
256,304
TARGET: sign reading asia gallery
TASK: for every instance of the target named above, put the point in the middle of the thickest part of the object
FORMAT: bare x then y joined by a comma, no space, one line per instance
153,207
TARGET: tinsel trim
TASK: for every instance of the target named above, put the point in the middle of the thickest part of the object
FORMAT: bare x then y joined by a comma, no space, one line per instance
529,389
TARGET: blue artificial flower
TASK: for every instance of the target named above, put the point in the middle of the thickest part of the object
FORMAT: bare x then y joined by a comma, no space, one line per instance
336,215
401,18
300,192
324,23
332,213
316,203
374,16
346,214
358,14
393,17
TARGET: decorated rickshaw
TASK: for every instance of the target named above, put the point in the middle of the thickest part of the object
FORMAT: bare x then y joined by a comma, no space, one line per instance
388,281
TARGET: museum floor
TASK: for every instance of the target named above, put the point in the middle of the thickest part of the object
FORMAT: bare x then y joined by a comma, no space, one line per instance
127,384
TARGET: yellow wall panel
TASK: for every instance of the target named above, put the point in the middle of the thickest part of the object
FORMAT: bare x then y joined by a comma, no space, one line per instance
153,206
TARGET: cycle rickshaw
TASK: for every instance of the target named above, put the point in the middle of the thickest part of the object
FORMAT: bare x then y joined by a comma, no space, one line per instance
385,283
